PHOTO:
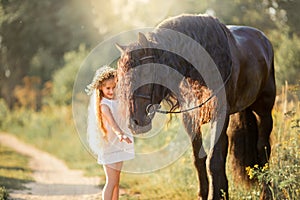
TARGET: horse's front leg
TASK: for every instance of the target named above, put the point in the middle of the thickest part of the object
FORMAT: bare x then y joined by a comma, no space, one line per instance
216,160
199,162
194,132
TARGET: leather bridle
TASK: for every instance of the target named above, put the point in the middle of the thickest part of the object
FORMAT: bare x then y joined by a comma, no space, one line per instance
150,97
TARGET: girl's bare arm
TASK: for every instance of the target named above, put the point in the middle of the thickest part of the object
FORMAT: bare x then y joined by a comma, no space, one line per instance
106,113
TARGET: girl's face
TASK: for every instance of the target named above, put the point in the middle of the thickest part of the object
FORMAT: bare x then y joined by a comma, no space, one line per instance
108,87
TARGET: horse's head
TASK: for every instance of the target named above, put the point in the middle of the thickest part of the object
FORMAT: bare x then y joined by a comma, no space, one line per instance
137,88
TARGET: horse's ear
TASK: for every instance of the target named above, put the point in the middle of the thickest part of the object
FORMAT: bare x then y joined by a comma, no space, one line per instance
120,48
143,40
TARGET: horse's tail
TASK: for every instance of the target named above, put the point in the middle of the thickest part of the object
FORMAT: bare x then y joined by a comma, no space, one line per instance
243,136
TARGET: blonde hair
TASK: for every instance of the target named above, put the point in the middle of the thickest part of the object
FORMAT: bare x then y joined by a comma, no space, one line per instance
102,74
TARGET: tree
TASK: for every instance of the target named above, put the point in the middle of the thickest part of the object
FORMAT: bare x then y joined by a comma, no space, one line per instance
249,12
287,59
63,78
287,11
34,35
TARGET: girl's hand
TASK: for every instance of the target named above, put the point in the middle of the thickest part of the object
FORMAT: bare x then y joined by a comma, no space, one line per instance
124,138
106,113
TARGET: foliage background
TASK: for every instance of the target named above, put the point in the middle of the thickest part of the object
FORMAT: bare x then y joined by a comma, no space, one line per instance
37,38
43,44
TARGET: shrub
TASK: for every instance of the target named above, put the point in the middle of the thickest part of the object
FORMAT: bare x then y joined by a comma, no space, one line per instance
3,112
63,79
3,193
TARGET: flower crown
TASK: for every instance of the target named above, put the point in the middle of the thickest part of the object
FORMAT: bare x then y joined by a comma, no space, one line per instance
101,75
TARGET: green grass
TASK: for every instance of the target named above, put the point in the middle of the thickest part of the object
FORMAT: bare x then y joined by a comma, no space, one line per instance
176,181
14,170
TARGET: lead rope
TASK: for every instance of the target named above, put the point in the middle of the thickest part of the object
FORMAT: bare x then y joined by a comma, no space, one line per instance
151,110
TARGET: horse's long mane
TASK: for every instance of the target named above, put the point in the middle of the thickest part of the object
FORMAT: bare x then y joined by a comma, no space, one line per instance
213,37
208,31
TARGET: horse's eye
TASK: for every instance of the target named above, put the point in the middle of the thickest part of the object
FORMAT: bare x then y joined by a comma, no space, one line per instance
133,63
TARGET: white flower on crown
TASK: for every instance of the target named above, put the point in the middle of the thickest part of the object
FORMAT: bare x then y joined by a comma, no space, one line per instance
103,73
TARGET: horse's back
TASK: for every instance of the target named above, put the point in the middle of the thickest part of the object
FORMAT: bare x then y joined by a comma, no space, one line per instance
252,42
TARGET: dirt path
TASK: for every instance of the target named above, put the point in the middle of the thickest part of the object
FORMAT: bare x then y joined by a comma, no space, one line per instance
53,179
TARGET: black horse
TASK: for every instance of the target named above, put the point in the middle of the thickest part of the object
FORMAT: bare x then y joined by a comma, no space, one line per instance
236,96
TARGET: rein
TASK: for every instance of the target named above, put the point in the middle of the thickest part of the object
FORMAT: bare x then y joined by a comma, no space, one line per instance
189,109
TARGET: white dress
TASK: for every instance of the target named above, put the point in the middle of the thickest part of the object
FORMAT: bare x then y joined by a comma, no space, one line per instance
111,150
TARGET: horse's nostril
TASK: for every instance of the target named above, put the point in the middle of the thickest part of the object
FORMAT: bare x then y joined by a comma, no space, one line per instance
135,121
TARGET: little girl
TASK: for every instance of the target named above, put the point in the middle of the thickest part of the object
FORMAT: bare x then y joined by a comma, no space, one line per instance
106,137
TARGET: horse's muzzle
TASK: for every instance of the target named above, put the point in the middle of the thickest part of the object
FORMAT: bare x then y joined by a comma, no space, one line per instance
139,129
